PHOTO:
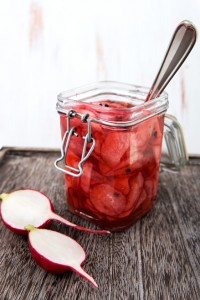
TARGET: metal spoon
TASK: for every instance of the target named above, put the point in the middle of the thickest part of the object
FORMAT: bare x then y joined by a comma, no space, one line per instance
180,46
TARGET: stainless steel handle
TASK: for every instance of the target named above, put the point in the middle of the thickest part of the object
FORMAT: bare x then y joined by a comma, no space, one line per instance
180,46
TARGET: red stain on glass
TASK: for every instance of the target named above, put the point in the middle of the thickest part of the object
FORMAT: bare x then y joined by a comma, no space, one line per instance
183,93
36,23
101,65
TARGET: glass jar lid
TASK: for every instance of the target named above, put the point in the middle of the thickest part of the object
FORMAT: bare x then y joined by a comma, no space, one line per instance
112,103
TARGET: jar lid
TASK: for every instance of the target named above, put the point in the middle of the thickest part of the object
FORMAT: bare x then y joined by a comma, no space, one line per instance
112,103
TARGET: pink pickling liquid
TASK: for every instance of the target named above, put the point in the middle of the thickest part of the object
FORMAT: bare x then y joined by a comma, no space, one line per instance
119,181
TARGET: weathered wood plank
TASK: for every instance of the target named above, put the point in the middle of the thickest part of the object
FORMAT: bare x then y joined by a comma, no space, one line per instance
167,269
158,258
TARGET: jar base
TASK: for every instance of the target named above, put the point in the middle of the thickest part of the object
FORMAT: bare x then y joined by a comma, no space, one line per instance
114,226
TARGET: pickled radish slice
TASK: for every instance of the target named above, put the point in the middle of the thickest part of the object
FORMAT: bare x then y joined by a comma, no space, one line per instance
28,206
56,252
72,159
133,161
143,136
76,144
141,199
121,183
150,165
90,177
86,177
85,109
89,206
107,200
136,186
97,178
114,104
129,163
150,188
157,153
143,133
156,135
98,136
114,147
74,196
105,169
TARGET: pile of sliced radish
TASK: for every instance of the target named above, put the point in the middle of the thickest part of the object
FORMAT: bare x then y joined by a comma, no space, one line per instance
53,251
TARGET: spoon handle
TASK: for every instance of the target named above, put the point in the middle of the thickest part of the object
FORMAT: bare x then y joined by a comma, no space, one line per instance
180,46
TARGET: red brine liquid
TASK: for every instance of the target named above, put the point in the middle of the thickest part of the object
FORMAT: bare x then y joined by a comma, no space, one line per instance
119,181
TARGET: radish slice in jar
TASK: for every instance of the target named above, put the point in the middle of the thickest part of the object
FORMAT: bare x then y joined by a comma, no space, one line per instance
120,183
107,200
156,135
114,147
136,187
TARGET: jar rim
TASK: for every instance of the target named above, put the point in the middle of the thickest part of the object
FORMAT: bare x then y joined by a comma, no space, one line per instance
117,89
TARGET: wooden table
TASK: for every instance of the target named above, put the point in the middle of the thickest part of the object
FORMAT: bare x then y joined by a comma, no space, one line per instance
158,258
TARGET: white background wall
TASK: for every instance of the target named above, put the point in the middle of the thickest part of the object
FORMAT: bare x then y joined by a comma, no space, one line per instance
48,46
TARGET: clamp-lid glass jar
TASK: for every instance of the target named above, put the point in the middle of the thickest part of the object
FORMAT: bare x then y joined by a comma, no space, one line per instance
111,151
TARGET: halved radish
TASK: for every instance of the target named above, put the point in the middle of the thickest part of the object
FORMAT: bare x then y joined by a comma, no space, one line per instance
29,206
56,252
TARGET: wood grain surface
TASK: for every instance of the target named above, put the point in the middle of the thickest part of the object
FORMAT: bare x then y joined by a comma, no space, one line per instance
158,258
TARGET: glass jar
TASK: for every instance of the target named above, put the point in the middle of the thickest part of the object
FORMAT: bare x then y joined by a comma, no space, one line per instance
111,151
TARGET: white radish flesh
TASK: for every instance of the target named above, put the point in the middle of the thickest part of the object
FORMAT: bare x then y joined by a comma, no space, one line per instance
25,207
56,252
29,206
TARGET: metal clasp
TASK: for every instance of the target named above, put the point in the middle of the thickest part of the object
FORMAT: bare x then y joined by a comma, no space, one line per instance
76,172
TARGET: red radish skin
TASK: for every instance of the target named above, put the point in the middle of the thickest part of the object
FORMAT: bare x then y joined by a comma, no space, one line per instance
18,209
51,242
